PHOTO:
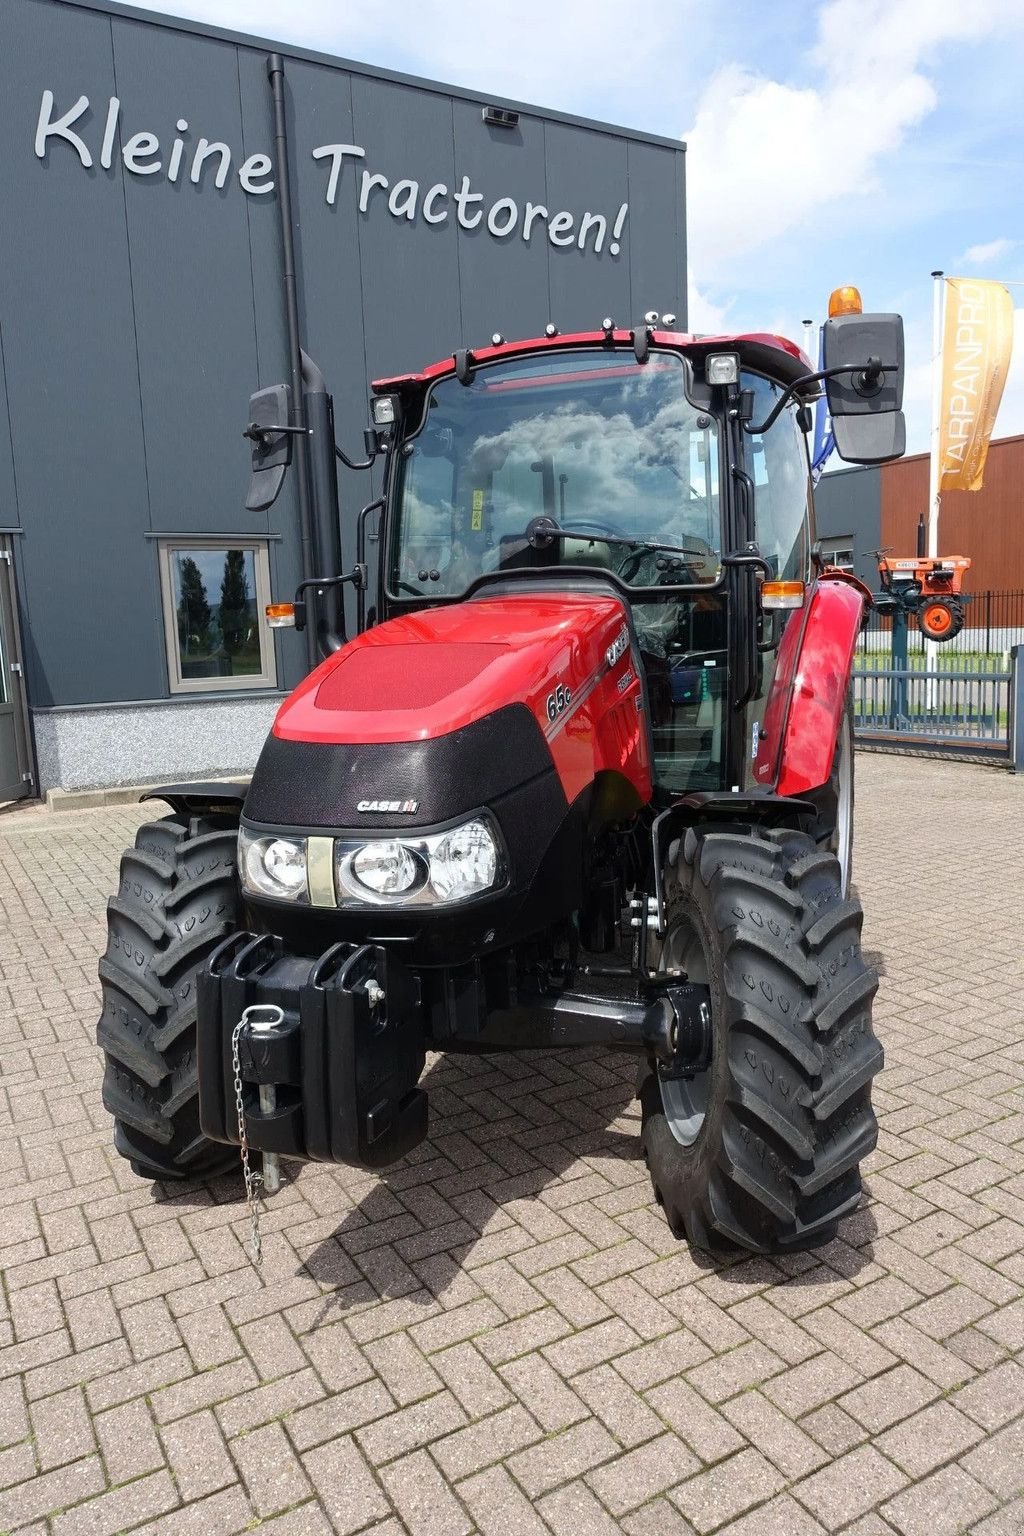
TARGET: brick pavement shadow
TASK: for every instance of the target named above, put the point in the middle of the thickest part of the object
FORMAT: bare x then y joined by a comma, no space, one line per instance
503,1128
526,1150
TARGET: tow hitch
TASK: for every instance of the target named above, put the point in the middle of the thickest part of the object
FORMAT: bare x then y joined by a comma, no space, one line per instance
251,1034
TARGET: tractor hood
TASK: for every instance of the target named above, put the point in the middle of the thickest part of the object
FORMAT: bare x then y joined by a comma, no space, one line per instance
429,714
440,669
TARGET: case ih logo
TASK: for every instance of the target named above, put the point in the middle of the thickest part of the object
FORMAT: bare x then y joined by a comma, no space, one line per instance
403,807
618,647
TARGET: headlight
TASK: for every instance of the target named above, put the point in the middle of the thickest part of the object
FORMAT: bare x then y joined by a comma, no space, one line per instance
463,862
273,866
436,870
386,868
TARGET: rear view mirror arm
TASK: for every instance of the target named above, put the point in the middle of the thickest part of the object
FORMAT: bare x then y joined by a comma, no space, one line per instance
351,463
257,434
871,373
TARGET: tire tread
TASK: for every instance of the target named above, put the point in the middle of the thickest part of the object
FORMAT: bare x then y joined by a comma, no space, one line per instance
796,1120
176,901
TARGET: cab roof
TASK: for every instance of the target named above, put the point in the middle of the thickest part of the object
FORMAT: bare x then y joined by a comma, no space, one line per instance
770,354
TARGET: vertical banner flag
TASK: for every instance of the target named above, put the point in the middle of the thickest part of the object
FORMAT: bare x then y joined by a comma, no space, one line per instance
977,343
824,441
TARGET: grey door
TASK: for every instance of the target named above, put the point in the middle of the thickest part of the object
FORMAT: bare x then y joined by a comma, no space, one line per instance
15,763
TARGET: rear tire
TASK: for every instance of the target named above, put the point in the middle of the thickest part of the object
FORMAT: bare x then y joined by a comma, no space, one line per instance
764,1153
178,898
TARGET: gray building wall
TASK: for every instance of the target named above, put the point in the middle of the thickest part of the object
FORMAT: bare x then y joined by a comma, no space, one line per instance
137,313
848,506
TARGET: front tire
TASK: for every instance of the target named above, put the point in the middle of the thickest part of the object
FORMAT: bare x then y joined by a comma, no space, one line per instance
178,898
763,1152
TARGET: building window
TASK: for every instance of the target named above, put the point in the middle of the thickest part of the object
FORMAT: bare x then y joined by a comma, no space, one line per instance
838,552
214,596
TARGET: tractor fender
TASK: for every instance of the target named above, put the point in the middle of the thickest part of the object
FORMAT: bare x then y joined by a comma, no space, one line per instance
221,797
819,683
837,573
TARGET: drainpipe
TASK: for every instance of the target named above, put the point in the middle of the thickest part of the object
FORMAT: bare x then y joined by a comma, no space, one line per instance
323,466
275,74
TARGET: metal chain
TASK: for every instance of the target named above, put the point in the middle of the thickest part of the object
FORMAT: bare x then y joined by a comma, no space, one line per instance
253,1180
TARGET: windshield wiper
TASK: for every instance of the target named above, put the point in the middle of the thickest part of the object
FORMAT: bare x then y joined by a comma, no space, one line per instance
543,531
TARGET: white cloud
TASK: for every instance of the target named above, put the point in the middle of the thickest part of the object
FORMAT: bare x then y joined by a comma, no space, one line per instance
771,160
705,317
765,157
984,255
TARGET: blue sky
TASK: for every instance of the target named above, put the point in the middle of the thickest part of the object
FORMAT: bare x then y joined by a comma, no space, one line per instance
864,141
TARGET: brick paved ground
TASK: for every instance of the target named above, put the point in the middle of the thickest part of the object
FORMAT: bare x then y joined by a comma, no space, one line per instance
502,1336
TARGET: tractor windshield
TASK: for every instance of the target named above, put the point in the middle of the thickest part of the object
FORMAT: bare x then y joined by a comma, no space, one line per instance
608,449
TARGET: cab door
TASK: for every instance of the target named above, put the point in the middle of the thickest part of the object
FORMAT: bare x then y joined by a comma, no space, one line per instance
779,466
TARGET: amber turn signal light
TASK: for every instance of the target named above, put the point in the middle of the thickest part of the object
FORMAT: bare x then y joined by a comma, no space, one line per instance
782,594
844,301
281,615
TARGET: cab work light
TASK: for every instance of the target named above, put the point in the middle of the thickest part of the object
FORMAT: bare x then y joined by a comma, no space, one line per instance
383,408
723,368
281,615
782,594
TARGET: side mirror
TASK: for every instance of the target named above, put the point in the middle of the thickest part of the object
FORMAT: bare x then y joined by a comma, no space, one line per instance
865,400
271,440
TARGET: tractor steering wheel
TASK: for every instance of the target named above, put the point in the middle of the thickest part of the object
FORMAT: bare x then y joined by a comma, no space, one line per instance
571,524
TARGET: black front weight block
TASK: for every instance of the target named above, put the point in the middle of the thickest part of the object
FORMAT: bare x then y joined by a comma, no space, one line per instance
344,1061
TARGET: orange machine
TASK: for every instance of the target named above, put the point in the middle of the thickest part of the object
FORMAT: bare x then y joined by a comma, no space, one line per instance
932,588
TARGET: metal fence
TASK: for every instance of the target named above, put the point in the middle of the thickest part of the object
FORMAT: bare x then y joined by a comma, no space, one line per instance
965,708
959,698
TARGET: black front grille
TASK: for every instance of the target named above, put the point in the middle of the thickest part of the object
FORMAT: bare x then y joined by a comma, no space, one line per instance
307,784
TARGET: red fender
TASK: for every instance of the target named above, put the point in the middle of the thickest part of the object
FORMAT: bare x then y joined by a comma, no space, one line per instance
839,573
817,685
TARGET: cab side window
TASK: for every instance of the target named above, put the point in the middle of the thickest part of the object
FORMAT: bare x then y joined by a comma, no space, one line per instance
781,485
427,509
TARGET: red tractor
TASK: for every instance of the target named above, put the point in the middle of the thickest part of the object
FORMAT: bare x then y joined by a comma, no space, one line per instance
583,775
